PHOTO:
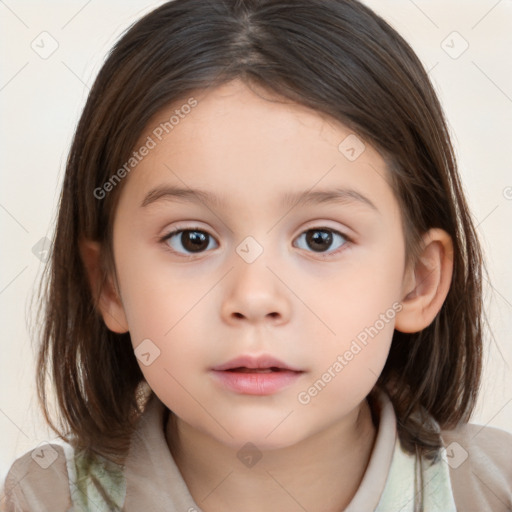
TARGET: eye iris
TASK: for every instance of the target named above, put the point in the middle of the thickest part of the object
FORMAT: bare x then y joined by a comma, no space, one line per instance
194,241
318,240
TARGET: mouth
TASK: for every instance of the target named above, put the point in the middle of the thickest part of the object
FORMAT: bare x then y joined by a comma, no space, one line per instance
243,369
255,364
255,375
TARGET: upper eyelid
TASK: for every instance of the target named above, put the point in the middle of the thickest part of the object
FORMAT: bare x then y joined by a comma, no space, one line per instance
205,230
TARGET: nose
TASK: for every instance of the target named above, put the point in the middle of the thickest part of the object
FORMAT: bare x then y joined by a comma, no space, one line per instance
255,293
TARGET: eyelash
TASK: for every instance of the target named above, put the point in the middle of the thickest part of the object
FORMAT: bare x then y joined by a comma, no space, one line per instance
169,235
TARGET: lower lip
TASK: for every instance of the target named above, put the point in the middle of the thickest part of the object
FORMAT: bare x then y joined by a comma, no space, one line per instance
256,383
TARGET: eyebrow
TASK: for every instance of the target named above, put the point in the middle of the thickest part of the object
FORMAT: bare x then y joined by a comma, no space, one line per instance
302,198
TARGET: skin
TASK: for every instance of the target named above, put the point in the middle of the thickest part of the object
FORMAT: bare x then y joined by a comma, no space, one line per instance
296,304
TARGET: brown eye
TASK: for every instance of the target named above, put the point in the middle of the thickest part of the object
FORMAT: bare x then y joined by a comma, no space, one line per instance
192,241
321,239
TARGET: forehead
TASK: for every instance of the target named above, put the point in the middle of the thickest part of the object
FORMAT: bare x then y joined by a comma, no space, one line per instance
242,144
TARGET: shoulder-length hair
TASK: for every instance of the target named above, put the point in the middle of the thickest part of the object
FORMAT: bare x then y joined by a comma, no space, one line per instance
335,56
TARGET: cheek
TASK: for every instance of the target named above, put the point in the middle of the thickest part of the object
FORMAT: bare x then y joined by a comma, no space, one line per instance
166,316
360,306
156,296
347,370
359,291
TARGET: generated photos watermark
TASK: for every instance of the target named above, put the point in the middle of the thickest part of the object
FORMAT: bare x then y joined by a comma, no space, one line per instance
342,360
151,142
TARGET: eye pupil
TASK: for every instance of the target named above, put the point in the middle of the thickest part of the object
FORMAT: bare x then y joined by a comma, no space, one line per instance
319,240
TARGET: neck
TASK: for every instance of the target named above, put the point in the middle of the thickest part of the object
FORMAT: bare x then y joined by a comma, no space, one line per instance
320,473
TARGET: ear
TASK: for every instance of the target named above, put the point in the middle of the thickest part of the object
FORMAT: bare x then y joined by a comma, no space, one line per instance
427,283
105,295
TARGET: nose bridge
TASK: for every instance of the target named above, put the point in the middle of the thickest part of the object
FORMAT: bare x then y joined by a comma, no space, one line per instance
254,291
253,257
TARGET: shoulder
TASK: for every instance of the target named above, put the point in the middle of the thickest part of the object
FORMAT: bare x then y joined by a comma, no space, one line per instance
480,461
38,480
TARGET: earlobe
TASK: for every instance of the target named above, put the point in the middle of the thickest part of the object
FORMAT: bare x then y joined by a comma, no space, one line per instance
427,284
105,296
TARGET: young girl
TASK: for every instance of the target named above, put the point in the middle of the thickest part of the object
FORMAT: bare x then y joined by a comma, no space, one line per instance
207,354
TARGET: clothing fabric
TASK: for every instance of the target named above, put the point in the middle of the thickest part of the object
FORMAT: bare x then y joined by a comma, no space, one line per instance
473,473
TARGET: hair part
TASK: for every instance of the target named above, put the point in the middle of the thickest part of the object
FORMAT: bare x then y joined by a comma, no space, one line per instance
340,59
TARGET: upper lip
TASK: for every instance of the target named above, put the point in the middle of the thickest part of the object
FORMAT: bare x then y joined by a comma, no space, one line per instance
255,362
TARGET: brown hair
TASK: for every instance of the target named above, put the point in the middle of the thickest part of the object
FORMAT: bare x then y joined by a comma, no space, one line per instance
335,56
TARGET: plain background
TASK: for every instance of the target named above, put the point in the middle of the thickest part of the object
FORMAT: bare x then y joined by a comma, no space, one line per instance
41,97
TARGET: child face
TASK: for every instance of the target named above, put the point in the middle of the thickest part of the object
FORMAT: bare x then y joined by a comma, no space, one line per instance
256,283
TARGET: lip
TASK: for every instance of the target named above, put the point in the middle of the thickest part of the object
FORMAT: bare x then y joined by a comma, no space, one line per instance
257,362
269,375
